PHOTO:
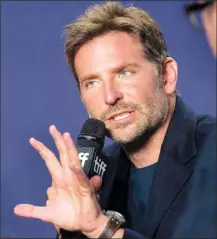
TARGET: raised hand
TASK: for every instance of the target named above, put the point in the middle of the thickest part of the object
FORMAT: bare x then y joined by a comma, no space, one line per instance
75,206
96,181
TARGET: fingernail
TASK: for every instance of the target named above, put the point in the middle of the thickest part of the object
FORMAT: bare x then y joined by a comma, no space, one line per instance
32,140
67,134
52,127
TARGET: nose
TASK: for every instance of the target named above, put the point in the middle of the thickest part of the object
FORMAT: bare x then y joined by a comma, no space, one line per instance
112,93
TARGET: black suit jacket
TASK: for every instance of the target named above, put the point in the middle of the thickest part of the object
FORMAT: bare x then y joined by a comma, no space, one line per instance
182,201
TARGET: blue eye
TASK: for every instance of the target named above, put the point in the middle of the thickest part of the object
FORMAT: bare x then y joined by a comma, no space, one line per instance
91,83
125,74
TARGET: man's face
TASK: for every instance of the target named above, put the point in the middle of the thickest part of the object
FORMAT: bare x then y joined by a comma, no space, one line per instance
120,87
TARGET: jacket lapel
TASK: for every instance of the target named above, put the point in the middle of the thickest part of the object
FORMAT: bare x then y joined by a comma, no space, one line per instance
170,179
118,198
172,173
114,190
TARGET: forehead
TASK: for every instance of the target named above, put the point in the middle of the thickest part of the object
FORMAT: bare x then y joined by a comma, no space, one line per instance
110,47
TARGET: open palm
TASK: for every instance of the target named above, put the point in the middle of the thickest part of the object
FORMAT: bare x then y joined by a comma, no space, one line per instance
75,206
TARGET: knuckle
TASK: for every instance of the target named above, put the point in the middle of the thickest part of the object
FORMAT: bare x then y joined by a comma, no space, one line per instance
43,155
51,154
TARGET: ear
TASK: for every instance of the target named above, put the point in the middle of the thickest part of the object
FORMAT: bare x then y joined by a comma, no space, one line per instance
170,75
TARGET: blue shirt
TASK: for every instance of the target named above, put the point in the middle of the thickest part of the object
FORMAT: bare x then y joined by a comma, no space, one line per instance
140,181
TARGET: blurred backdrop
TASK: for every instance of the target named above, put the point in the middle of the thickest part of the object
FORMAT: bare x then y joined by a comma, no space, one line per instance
37,90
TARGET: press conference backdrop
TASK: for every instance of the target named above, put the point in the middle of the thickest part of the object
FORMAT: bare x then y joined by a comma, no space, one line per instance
37,90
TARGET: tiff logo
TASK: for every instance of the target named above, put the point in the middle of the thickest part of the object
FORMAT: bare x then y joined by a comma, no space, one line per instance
83,157
99,166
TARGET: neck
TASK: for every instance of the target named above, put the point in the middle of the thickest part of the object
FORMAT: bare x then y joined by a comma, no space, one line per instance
149,152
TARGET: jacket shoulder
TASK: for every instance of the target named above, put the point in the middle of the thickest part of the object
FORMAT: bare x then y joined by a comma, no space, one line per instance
205,138
205,130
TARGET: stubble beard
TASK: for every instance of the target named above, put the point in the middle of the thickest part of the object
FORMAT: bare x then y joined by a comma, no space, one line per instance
152,116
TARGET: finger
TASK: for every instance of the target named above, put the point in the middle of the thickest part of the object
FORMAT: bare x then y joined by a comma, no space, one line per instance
50,159
59,190
72,150
96,181
81,177
60,144
51,192
30,211
49,202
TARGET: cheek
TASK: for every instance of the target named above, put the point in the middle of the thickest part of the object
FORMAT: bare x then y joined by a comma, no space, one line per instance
142,89
93,105
137,94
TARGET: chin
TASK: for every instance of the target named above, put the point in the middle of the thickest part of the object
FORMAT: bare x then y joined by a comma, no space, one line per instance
124,135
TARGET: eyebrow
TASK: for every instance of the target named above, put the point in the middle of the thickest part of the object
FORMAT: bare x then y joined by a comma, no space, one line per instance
113,70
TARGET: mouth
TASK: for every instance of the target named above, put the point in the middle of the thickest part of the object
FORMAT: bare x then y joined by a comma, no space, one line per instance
121,116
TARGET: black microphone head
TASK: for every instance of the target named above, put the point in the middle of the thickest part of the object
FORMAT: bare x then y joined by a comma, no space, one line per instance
92,134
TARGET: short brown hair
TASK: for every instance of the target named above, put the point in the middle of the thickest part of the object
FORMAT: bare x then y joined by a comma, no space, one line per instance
111,16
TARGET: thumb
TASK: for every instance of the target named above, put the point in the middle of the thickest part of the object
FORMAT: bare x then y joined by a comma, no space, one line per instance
96,181
28,210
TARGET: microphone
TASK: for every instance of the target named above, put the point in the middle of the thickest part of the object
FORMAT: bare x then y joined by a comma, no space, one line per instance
90,142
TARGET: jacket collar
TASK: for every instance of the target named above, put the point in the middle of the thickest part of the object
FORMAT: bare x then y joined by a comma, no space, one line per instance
179,142
172,172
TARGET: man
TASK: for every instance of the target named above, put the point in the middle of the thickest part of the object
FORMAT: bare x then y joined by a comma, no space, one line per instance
163,179
207,11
